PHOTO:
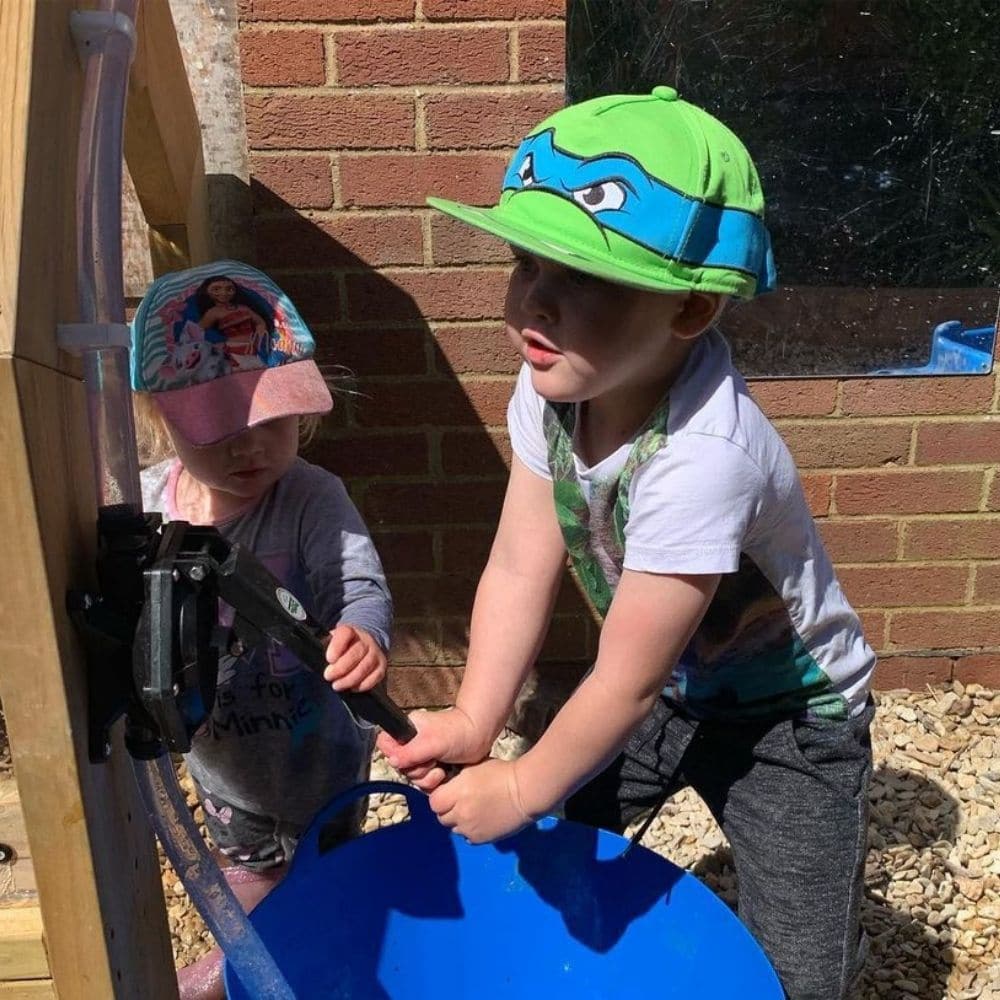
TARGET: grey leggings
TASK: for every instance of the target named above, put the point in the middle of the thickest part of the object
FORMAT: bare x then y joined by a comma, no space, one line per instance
792,797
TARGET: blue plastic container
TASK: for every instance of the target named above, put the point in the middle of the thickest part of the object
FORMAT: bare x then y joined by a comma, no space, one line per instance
412,911
954,351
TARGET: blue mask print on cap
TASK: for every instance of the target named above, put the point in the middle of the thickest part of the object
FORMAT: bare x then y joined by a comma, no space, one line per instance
622,197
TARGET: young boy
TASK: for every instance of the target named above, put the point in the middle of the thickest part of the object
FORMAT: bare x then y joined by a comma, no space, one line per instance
729,659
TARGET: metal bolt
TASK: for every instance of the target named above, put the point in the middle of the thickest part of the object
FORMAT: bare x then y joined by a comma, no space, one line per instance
197,572
7,853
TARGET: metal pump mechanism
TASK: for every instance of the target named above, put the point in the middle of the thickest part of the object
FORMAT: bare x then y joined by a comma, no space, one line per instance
153,635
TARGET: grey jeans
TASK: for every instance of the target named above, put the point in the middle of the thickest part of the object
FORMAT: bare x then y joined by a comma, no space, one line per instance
792,798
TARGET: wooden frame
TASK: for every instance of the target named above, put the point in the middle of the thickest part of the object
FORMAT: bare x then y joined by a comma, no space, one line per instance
101,904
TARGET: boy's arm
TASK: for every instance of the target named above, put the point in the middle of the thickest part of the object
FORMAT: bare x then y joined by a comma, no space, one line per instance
514,600
510,617
650,622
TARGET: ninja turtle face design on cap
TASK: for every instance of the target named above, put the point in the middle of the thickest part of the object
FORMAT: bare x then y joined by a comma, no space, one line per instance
621,196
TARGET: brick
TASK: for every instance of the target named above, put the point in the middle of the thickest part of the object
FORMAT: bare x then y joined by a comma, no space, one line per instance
421,55
959,442
342,121
473,453
486,120
943,629
541,53
908,492
981,668
448,504
416,643
298,181
481,349
419,595
818,492
904,396
944,538
987,586
437,403
853,540
993,500
846,444
448,293
911,672
374,352
346,240
326,10
405,551
388,179
421,686
282,58
374,454
453,242
500,10
874,625
903,586
465,550
316,296
799,398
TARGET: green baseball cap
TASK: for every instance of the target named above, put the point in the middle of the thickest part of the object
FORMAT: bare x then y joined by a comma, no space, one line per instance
644,190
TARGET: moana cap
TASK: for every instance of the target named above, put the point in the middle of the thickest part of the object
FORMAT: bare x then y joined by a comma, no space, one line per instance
221,348
641,190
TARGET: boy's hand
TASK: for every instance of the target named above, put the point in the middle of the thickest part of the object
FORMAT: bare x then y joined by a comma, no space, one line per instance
482,803
449,736
356,661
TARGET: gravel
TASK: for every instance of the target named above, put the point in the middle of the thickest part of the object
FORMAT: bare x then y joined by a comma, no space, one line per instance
932,899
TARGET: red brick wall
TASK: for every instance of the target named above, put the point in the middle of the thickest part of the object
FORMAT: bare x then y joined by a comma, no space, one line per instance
356,110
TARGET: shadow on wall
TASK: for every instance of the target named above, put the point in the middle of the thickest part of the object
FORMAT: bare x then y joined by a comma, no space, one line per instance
419,431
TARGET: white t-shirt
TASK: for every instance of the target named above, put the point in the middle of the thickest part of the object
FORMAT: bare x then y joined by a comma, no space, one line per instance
723,496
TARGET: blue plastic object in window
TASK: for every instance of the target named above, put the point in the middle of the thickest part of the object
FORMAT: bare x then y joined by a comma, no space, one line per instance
954,351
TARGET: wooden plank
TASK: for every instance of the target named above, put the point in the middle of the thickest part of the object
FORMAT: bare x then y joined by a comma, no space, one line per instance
22,945
40,89
16,28
163,139
96,869
36,989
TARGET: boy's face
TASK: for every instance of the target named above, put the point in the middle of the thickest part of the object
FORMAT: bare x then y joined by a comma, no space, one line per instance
246,465
584,337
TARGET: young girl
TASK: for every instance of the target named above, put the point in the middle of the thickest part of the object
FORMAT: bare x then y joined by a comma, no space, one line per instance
279,743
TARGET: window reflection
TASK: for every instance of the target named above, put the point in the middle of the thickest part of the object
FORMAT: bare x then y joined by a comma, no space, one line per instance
876,132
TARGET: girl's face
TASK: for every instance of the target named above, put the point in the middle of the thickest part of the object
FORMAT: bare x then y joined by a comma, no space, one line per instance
245,466
585,337
222,291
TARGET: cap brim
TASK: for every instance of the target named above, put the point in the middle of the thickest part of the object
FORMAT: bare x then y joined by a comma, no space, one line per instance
555,246
213,411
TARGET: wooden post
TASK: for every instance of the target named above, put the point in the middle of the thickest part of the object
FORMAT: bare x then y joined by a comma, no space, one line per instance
163,144
98,879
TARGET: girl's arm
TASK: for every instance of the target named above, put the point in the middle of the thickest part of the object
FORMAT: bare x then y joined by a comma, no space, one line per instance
209,318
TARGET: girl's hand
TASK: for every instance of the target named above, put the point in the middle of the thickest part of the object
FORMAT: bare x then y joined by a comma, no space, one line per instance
482,803
449,736
356,661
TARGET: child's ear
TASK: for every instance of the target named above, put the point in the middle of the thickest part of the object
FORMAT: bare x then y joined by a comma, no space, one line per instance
697,313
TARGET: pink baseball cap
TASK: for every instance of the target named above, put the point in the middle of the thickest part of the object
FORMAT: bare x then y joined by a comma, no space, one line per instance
221,348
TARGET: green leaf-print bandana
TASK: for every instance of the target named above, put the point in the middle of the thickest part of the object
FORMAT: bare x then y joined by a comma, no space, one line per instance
572,509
